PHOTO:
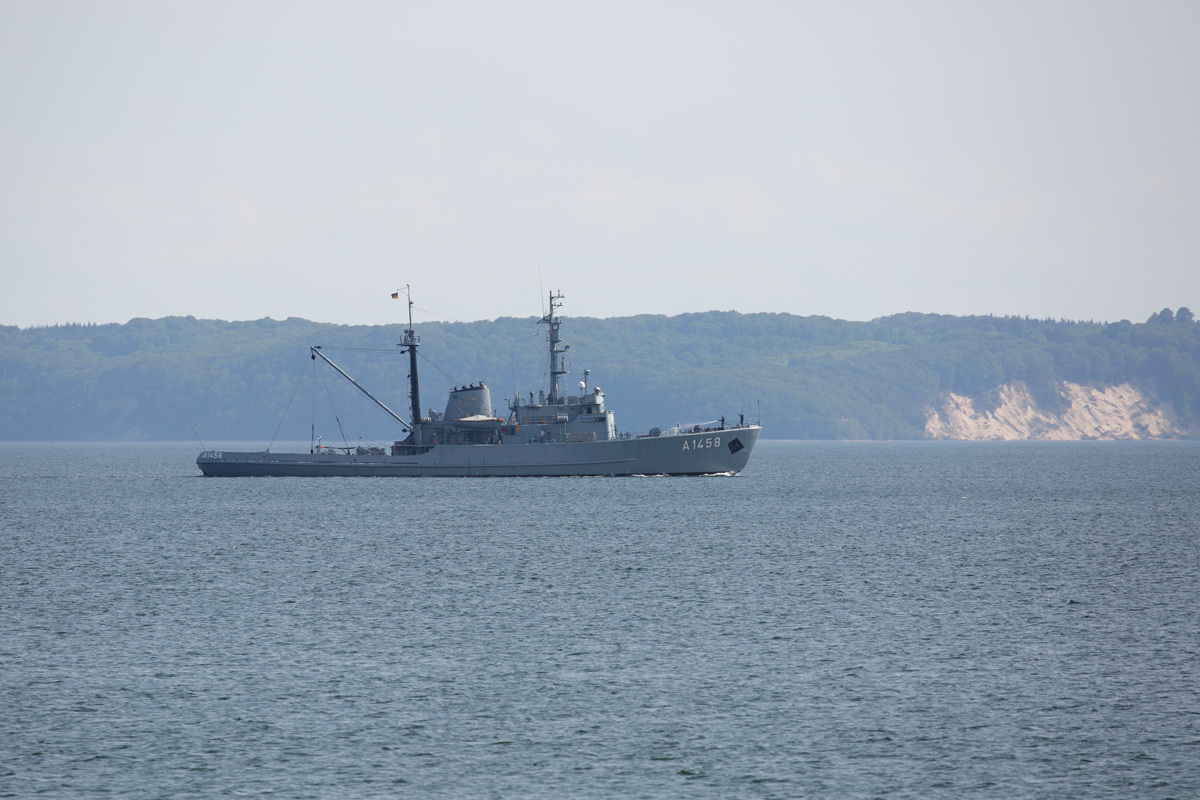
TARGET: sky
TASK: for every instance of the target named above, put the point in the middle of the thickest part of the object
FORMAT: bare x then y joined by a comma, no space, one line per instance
246,160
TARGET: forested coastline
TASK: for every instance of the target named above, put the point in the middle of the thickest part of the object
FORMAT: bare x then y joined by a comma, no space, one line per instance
815,377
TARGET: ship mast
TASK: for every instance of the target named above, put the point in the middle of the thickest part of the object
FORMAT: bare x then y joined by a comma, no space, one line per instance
558,366
410,341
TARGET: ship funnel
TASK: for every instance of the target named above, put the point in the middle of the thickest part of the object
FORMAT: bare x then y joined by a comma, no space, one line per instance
468,401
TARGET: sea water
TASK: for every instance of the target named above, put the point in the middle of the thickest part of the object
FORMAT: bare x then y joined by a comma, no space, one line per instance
995,620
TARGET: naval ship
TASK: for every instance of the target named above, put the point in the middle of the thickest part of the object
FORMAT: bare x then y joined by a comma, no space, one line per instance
551,434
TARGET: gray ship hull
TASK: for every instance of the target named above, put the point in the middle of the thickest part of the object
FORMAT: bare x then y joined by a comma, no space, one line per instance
706,453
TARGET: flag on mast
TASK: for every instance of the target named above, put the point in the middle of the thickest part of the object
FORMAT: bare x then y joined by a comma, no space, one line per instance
395,295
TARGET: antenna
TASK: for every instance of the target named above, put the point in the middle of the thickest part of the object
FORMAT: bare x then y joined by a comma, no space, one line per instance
558,366
408,293
198,439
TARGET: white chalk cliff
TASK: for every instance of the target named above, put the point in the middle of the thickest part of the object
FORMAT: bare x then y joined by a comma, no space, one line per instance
1116,412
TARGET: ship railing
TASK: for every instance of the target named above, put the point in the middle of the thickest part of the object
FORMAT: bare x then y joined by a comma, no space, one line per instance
644,433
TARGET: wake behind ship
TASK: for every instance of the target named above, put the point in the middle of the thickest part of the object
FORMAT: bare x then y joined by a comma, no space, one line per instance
552,434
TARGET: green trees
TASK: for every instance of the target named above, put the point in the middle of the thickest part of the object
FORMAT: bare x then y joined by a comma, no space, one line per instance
1184,315
816,377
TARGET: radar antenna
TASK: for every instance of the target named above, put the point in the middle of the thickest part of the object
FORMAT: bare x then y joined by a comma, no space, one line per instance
558,365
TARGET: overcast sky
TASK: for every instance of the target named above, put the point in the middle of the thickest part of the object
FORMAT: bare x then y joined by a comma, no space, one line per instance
855,160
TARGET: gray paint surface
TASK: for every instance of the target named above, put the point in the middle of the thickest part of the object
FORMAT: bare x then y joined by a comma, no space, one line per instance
704,453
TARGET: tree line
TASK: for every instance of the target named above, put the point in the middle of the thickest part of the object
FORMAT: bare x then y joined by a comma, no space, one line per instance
813,377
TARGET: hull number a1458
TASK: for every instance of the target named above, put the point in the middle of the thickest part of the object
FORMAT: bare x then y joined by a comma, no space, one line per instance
701,444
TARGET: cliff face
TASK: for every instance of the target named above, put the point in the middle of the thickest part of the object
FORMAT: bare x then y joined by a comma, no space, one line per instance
1116,412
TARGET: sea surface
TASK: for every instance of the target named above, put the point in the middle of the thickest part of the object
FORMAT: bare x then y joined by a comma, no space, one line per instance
842,620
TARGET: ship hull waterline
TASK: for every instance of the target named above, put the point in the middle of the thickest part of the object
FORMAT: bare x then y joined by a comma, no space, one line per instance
705,453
